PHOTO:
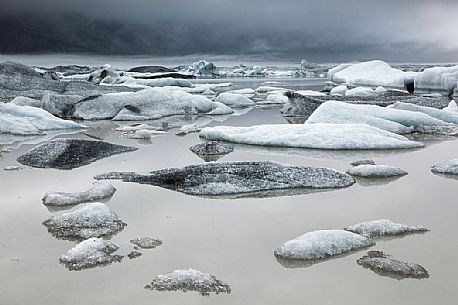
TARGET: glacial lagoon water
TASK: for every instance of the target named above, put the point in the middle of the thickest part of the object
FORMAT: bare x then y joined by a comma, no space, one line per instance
233,239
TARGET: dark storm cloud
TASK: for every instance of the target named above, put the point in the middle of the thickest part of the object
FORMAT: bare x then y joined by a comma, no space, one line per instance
351,29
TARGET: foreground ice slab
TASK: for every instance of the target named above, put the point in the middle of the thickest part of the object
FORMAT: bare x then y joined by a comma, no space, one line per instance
315,136
446,168
400,118
371,73
146,242
211,151
384,265
213,179
189,280
376,171
384,228
322,244
90,253
93,219
27,120
99,190
70,153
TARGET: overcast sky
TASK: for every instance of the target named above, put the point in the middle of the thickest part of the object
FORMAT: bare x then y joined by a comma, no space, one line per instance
414,29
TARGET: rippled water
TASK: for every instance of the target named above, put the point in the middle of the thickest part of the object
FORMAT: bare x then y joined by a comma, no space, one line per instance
231,239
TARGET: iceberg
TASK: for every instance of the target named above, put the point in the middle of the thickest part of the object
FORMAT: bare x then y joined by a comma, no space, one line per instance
363,162
99,190
440,114
371,73
70,153
27,120
314,136
384,228
384,265
88,220
447,168
90,253
452,107
211,151
437,78
234,100
322,244
146,242
189,280
204,68
232,178
185,129
375,171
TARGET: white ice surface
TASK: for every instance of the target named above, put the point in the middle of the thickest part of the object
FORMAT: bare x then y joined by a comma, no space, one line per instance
99,190
448,167
383,227
234,100
376,171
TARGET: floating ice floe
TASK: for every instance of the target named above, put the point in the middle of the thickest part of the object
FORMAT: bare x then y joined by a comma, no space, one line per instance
136,127
399,118
275,98
92,219
384,228
234,100
12,168
99,190
185,129
27,120
322,244
447,168
339,90
146,242
146,133
211,151
363,162
360,91
232,178
314,136
371,73
144,83
90,253
376,171
384,265
189,280
70,153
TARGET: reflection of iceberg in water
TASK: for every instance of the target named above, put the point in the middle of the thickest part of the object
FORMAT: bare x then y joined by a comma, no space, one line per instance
375,181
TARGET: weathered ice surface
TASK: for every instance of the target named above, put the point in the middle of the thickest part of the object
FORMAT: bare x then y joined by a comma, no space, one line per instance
447,167
313,136
300,105
384,228
26,101
146,242
234,100
70,153
150,69
189,280
322,244
99,190
185,129
213,179
384,265
212,150
363,162
93,219
375,171
90,253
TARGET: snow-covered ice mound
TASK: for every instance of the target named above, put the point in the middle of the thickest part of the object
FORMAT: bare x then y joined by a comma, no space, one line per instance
213,179
384,228
146,242
314,136
99,190
322,244
384,265
27,120
90,253
234,100
447,168
189,280
212,150
400,118
371,73
70,153
93,219
376,171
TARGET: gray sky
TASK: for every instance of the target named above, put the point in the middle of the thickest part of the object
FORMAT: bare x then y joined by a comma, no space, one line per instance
416,30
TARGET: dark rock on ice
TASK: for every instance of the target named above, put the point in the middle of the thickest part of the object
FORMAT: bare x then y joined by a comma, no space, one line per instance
214,179
384,265
70,153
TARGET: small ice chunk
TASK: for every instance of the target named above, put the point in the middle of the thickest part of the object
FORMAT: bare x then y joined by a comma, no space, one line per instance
380,90
276,98
209,91
384,228
184,130
146,242
322,244
234,100
189,280
99,190
93,219
376,171
146,133
134,254
452,107
90,253
384,265
211,148
339,90
12,168
360,91
448,167
362,162
135,127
